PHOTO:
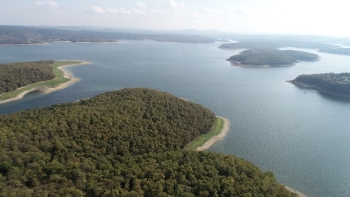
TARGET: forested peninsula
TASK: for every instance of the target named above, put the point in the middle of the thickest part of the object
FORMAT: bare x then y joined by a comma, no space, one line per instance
18,79
123,143
337,85
270,57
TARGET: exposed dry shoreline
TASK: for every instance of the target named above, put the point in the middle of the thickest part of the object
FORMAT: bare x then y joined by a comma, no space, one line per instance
46,89
221,136
218,137
295,191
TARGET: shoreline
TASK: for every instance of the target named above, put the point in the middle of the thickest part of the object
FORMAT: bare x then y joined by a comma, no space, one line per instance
224,130
236,63
46,43
319,89
299,194
216,138
45,89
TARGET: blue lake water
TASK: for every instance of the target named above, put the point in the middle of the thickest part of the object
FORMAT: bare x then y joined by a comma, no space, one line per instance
299,134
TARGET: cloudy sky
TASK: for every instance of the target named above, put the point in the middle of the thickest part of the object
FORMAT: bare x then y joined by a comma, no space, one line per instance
322,17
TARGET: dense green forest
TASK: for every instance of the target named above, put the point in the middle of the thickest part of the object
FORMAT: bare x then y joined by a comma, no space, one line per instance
36,35
301,55
16,75
272,57
122,143
340,51
329,83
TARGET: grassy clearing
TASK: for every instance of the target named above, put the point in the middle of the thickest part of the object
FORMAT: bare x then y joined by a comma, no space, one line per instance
50,83
200,140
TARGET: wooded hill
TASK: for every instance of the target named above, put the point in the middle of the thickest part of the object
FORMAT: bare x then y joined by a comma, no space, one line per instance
16,75
274,44
272,57
329,83
37,35
260,44
121,143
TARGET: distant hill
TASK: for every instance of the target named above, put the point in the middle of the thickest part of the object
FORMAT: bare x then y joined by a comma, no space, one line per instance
253,44
122,143
275,44
270,57
339,51
36,35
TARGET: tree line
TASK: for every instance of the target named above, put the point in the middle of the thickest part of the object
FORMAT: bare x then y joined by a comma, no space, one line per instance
16,75
122,143
340,51
331,82
273,57
35,35
274,44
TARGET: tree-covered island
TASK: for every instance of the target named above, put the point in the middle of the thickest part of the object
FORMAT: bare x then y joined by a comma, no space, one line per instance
18,79
123,143
337,85
270,57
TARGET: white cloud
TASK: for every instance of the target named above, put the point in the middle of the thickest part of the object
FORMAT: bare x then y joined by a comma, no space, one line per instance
142,5
175,4
124,11
195,15
241,11
96,10
160,12
99,10
46,3
138,11
210,11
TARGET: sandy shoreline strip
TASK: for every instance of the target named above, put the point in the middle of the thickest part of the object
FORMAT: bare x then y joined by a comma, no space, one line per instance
221,136
218,137
44,89
295,191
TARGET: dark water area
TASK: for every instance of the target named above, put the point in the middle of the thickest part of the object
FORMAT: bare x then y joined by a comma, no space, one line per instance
299,134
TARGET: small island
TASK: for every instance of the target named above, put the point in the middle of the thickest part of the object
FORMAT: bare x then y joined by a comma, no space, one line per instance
265,57
18,79
122,143
332,84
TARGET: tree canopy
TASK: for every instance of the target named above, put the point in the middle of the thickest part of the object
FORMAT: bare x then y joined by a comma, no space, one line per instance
272,57
16,75
329,83
122,143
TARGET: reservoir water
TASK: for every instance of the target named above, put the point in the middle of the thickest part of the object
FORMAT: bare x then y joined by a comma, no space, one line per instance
299,134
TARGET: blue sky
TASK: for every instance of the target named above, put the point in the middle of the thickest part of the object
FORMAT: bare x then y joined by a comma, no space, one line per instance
238,16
